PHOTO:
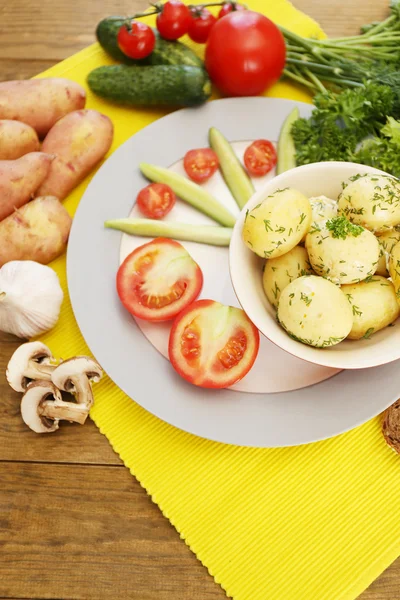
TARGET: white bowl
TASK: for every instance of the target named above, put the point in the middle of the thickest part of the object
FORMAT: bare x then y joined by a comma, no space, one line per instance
246,274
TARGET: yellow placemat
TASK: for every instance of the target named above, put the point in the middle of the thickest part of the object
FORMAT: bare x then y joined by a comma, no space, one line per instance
308,523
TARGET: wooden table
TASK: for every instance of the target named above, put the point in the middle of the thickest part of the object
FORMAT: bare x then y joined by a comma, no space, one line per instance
74,524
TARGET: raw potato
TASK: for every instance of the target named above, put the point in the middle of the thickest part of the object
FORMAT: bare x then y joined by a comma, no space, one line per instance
315,311
279,272
372,201
394,269
374,306
387,241
19,180
79,140
40,102
38,231
17,139
346,260
277,224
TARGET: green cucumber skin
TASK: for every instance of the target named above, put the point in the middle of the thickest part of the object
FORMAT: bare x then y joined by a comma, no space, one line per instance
236,178
160,85
286,147
164,53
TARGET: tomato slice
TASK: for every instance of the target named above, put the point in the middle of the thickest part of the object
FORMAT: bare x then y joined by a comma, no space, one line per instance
156,200
260,158
158,280
200,164
212,345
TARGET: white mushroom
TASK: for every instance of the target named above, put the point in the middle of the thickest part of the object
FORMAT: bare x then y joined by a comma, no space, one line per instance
31,361
42,407
75,375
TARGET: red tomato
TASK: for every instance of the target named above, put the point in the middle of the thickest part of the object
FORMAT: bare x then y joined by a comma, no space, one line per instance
200,164
156,200
245,54
260,157
212,345
158,280
201,24
229,7
137,40
174,19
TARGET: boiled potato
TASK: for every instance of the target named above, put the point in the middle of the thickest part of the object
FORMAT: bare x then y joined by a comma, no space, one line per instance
372,201
315,311
277,224
323,208
394,268
341,251
374,306
279,272
387,241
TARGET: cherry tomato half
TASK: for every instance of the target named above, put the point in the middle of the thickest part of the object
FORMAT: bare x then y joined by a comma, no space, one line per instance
174,19
155,200
212,345
245,53
137,40
200,164
260,157
158,280
201,24
229,7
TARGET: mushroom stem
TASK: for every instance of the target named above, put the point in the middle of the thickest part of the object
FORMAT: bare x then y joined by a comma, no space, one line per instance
84,392
68,411
39,370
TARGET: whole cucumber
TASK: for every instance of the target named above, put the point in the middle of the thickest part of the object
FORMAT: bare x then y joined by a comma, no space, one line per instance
164,53
173,85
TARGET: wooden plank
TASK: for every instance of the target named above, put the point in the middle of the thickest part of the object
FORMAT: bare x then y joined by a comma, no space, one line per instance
90,533
71,444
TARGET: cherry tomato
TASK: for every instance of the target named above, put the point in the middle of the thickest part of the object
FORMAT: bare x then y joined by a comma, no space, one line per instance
158,280
200,164
156,200
229,7
201,24
260,157
174,19
212,345
251,56
137,40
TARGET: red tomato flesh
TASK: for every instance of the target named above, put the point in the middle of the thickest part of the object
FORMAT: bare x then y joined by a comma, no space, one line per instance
158,280
212,345
201,24
200,164
136,41
229,7
174,20
260,158
156,200
245,53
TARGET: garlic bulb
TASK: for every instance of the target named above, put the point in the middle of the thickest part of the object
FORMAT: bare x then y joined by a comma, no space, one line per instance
30,298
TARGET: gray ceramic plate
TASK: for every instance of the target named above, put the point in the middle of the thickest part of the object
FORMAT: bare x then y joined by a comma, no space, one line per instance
237,417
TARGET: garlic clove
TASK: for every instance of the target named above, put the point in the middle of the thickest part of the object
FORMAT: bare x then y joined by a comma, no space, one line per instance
30,298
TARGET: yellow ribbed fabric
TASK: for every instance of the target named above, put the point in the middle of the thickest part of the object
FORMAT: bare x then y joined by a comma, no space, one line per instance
316,522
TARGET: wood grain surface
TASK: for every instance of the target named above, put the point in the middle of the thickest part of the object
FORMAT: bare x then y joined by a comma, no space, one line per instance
74,524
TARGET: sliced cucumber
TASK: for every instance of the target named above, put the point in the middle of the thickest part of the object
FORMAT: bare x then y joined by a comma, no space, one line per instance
203,234
234,174
286,147
190,192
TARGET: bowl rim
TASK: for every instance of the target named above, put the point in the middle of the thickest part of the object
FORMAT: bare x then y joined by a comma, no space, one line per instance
326,357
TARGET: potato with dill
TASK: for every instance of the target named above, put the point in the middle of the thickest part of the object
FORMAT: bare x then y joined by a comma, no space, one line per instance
315,311
323,208
394,269
372,201
387,241
279,272
341,251
277,224
374,306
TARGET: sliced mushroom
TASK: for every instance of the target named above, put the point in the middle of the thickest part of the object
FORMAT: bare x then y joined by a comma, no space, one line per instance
42,407
391,426
30,362
75,376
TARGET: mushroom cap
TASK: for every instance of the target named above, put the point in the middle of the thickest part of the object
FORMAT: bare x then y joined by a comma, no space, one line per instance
21,361
36,393
71,370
